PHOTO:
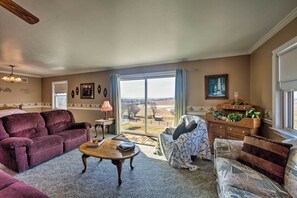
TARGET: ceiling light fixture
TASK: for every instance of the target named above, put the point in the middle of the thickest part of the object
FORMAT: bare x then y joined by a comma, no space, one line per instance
11,78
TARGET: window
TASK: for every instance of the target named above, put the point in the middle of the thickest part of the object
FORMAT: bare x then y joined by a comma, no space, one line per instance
59,95
147,102
284,88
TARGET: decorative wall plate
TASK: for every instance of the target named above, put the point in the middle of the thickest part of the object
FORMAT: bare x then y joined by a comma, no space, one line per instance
72,93
99,89
105,92
77,90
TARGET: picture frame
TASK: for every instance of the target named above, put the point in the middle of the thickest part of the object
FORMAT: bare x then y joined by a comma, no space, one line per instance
87,91
216,86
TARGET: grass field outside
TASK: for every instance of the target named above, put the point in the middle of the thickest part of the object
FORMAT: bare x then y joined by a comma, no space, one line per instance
136,124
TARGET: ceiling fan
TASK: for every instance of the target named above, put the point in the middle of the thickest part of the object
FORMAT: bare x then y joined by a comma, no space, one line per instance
19,11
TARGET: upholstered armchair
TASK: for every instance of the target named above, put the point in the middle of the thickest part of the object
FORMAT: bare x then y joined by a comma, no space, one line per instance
180,152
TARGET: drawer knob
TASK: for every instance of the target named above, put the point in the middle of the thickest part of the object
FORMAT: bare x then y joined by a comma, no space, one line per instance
211,125
243,131
221,127
221,136
230,129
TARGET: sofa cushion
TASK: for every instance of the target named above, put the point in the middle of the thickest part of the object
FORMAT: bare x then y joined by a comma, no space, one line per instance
73,138
191,126
58,120
3,133
180,129
45,142
27,125
266,156
235,174
72,134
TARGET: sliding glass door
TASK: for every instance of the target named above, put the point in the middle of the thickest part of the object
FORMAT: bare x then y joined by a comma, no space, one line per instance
147,104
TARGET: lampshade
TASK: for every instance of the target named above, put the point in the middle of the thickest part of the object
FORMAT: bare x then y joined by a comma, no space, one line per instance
106,106
11,78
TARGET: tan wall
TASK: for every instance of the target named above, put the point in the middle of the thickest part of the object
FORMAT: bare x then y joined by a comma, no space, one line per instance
237,68
26,93
261,66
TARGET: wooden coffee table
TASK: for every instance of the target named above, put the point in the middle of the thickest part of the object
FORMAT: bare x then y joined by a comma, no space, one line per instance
109,150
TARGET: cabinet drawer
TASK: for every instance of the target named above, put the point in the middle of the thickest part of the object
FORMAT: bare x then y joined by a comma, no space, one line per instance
237,131
216,127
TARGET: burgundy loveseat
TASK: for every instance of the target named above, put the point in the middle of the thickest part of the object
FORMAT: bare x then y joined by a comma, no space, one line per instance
12,188
29,139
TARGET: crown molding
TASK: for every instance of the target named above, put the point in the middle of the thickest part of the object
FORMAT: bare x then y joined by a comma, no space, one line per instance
285,21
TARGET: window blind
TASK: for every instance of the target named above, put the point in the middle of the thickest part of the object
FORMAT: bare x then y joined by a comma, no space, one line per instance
288,69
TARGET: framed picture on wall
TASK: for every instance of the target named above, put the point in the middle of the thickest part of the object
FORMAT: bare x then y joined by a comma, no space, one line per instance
87,91
216,86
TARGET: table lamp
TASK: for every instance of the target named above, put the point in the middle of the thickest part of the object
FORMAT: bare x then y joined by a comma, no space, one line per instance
105,108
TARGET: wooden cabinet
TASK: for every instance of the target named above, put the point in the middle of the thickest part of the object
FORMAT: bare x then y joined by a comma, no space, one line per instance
231,130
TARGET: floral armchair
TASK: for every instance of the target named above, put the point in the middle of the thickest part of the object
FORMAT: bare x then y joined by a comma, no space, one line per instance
179,152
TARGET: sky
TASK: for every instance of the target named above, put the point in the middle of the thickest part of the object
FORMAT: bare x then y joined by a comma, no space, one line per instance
157,88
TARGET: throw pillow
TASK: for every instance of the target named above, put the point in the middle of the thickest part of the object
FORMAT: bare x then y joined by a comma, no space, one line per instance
265,156
180,129
191,126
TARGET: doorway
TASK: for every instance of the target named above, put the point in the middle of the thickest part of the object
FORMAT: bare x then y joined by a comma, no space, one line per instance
147,103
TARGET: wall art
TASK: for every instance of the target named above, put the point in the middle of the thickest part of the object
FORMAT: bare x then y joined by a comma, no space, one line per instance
216,86
77,90
87,91
105,92
99,89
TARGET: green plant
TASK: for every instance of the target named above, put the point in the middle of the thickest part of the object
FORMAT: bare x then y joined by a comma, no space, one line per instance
252,113
234,117
237,102
219,115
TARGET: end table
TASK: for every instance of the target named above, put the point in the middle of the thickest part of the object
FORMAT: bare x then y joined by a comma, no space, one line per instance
103,124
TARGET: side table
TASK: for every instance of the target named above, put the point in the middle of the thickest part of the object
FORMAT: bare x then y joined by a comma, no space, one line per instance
103,124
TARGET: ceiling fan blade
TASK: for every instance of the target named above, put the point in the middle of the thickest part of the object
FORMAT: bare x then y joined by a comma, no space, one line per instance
19,11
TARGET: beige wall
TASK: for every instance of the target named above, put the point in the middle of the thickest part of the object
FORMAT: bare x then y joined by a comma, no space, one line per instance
26,93
261,66
237,68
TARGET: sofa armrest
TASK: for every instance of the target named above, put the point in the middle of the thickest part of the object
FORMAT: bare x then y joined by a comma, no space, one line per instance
81,125
14,142
227,148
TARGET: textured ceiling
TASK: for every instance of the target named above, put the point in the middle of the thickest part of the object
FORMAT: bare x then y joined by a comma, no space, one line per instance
87,35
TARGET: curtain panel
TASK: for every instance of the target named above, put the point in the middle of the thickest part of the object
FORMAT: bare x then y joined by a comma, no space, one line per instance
180,94
115,100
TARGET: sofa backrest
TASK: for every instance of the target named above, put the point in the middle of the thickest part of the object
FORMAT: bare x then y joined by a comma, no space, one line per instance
27,125
58,120
3,133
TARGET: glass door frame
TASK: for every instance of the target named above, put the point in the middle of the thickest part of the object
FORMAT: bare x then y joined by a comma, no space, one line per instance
145,77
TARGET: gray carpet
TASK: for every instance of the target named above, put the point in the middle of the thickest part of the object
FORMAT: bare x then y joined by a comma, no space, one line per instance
152,177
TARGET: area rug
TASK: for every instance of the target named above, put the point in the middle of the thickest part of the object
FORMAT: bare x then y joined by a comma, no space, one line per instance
138,139
152,177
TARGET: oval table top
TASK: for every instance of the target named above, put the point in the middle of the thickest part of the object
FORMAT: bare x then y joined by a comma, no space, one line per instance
108,150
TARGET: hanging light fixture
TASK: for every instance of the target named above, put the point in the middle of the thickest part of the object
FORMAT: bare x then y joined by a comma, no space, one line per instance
11,78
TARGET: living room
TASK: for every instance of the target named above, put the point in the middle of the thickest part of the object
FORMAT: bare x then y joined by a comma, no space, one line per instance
85,43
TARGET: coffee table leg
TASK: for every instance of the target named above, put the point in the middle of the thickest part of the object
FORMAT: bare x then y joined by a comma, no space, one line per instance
118,163
84,160
131,160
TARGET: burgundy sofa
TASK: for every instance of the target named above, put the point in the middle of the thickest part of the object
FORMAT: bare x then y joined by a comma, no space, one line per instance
12,188
29,139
